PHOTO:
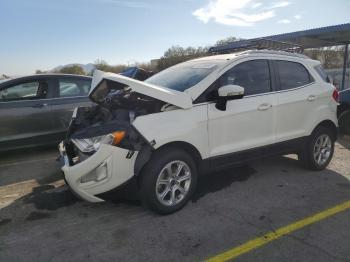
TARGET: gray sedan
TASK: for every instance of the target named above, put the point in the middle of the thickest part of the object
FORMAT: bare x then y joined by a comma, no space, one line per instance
37,109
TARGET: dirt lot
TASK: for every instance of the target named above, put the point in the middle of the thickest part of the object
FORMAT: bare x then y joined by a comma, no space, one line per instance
40,220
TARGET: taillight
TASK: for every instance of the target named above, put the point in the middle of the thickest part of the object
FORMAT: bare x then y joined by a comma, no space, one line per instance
335,95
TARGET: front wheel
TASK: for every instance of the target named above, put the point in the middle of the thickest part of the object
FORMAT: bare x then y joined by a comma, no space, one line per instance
319,149
168,180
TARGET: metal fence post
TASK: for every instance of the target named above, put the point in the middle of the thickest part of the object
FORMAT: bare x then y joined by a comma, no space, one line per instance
346,55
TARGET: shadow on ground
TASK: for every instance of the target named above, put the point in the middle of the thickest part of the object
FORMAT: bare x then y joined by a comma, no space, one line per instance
216,181
207,183
48,198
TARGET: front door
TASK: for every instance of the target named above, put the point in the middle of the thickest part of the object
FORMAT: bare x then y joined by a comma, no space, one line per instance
247,122
24,113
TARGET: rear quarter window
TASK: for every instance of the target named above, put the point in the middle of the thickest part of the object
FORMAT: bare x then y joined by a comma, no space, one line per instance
320,71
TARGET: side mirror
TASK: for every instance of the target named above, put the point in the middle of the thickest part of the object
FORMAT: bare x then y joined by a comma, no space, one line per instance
228,92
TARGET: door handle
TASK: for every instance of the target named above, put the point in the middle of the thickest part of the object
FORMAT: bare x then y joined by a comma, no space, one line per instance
311,98
39,105
264,107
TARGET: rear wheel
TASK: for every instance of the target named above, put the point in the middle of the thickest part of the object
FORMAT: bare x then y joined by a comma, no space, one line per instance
168,180
319,149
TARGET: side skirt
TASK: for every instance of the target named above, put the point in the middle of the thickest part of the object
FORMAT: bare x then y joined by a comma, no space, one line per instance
242,157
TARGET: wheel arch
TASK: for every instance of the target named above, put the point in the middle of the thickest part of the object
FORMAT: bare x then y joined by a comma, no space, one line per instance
146,153
187,147
330,125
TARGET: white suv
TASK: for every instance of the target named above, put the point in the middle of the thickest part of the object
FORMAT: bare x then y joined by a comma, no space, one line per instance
195,117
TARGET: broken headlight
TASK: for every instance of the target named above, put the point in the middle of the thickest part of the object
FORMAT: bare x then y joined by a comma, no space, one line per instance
88,145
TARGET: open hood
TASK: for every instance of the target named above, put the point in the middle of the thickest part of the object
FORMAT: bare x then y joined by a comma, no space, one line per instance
99,89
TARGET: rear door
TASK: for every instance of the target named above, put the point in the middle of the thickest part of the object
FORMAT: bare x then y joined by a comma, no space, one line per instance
25,112
70,92
298,98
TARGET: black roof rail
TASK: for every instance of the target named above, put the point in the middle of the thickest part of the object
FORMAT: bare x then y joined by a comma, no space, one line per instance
258,44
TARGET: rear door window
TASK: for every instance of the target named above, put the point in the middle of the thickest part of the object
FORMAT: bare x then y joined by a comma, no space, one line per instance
74,87
292,75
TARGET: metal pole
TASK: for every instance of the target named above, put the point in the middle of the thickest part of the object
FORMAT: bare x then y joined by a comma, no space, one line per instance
346,54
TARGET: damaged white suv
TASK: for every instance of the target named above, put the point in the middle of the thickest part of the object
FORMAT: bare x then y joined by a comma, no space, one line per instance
196,117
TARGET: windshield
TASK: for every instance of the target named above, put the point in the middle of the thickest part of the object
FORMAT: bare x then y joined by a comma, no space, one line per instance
185,75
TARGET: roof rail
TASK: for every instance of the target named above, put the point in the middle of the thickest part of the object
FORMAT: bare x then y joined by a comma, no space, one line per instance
260,43
274,52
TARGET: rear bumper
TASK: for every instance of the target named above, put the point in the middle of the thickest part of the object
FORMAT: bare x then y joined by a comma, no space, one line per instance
103,171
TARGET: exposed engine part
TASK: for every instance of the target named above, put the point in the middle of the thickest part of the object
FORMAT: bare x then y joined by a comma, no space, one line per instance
115,113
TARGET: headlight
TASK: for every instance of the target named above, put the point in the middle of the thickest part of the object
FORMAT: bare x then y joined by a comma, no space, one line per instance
88,145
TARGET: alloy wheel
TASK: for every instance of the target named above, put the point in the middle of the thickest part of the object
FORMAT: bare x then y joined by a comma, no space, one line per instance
322,149
173,183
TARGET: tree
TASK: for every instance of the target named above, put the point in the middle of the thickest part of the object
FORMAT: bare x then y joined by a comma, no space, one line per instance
104,66
178,51
178,54
73,69
3,76
330,57
227,40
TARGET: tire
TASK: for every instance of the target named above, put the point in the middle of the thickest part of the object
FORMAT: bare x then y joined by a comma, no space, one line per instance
318,150
167,193
344,123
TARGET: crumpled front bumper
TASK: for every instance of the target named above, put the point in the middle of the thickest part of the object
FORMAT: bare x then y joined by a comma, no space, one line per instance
112,166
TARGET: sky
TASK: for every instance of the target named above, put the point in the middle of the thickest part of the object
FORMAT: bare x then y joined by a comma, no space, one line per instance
43,34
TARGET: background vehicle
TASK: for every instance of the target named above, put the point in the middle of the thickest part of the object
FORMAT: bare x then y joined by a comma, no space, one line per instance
37,109
137,73
344,112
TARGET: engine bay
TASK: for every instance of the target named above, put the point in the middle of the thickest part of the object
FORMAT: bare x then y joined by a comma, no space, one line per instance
116,112
124,106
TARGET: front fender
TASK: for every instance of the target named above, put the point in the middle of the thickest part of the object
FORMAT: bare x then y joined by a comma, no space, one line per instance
188,126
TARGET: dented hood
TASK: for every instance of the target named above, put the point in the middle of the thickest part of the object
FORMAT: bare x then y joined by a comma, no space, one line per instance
99,90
